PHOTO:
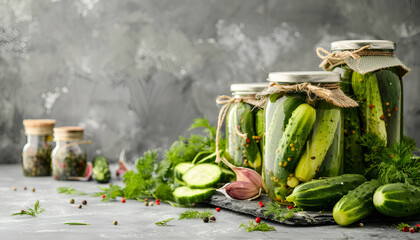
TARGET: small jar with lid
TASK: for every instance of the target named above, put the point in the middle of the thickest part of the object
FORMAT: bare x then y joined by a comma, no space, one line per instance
244,127
68,156
303,124
36,154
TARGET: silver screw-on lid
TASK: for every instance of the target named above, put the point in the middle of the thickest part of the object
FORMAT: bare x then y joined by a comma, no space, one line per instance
301,77
247,88
356,44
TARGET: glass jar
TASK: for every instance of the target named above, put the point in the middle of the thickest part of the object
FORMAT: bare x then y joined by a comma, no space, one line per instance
244,127
304,137
374,80
68,156
36,154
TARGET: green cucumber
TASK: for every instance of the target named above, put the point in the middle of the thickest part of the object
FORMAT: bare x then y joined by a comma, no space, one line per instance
356,205
227,175
202,176
185,195
232,139
182,168
326,124
366,90
324,193
249,148
391,88
292,142
101,172
259,127
397,200
353,151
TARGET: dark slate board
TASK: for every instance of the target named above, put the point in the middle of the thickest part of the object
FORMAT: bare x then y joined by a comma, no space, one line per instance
303,218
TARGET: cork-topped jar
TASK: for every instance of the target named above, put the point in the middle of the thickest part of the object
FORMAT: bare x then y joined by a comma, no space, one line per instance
68,157
36,154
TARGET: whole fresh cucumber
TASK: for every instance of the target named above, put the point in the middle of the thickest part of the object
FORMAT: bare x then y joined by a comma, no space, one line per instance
397,200
232,139
327,121
324,193
292,142
250,150
357,204
353,151
366,90
101,172
390,87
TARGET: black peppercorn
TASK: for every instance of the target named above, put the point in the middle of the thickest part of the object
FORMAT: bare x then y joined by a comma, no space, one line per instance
80,205
212,219
84,202
71,201
206,219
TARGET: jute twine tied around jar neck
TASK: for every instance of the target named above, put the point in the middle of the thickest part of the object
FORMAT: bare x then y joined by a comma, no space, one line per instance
331,60
329,92
73,135
227,101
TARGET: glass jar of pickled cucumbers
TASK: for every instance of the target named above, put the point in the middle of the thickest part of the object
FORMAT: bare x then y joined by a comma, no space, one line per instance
244,127
304,137
373,79
36,154
68,156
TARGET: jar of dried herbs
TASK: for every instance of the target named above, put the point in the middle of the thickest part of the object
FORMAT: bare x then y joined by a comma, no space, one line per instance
372,75
36,154
68,156
303,125
244,127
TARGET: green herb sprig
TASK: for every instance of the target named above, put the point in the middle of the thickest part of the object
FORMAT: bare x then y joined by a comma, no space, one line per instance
279,212
257,227
190,214
32,212
70,191
110,193
164,222
402,226
76,223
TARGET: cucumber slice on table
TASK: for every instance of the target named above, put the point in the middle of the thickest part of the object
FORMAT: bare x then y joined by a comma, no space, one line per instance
185,195
202,176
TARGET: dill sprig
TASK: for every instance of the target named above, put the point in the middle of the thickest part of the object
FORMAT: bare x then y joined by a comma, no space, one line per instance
164,222
257,227
32,212
279,212
76,223
70,191
189,214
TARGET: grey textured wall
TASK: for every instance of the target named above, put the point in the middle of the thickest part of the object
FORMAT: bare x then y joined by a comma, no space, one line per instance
135,73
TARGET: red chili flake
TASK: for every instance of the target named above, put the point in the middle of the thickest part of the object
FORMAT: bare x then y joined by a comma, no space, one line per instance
103,195
248,140
371,106
258,220
383,117
217,209
290,207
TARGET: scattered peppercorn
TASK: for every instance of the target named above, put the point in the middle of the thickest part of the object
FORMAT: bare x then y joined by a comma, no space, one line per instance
150,203
115,222
22,211
193,204
80,206
33,189
217,209
406,229
206,219
146,203
103,196
157,203
412,230
417,228
212,219
14,188
361,225
248,140
71,201
24,188
290,207
84,202
123,200
258,220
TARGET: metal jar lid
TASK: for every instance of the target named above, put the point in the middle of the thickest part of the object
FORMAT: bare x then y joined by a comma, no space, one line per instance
356,44
68,133
301,77
247,88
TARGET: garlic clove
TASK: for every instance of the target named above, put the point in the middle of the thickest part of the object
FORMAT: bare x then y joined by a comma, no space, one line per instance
242,190
248,175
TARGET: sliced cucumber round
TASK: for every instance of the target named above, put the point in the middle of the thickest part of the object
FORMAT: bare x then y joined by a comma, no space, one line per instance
202,176
185,195
182,168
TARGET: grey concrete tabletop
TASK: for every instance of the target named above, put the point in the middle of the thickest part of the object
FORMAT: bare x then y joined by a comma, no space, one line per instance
136,221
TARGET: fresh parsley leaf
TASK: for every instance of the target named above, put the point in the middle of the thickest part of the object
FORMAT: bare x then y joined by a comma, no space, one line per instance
257,227
163,192
189,214
32,212
203,122
164,222
70,191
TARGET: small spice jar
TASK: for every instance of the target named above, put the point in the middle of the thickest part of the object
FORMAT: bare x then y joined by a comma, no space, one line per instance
244,127
303,125
68,157
36,154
